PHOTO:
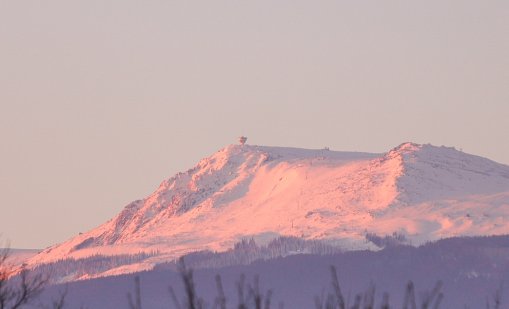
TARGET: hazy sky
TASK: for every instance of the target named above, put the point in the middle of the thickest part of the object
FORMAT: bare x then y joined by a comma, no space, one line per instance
101,100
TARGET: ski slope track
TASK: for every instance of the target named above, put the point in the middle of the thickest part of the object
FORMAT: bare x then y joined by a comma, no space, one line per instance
422,192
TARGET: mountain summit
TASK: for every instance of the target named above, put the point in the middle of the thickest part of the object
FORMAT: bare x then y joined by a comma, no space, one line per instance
420,192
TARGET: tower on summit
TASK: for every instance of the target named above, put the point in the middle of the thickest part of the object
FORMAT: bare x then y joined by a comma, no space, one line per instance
242,140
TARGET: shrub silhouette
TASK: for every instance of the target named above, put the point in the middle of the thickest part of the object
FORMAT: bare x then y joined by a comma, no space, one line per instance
250,295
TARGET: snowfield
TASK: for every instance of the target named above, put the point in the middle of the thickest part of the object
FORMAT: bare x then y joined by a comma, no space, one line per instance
420,192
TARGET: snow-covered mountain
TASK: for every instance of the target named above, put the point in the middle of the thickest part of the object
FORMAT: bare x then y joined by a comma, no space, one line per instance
419,192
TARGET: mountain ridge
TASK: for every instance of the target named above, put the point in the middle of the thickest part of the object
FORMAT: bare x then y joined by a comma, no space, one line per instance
423,192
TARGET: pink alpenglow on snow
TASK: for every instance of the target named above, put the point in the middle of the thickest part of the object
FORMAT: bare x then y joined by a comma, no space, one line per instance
420,191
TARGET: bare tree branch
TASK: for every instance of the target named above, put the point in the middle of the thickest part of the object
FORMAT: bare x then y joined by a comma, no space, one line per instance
18,286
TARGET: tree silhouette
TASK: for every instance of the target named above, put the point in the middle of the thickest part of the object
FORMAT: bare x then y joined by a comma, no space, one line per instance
18,286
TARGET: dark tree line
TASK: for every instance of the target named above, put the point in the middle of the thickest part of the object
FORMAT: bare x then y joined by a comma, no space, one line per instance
19,287
92,265
247,251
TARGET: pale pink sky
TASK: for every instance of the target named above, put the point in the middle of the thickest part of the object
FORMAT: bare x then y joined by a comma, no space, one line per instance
100,100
